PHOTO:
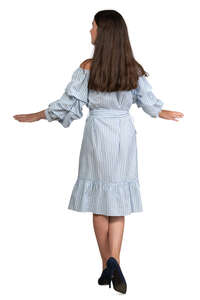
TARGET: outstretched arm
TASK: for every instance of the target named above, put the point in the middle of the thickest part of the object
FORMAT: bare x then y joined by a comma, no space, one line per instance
144,97
69,106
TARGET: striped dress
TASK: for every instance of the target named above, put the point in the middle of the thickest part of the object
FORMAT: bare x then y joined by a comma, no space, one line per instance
107,181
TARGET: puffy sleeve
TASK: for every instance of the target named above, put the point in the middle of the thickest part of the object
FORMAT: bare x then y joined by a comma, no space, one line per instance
69,106
144,97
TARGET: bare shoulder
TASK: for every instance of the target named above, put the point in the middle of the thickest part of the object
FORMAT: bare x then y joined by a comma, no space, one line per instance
86,64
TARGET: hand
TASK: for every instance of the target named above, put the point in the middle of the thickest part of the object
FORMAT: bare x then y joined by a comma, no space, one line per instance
170,115
30,117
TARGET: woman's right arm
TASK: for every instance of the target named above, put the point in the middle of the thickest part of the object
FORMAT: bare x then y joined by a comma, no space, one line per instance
69,106
30,117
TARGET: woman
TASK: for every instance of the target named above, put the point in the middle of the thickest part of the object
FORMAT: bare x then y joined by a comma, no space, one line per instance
107,183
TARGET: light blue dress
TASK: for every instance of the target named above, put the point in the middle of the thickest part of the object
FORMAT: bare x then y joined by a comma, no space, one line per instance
107,181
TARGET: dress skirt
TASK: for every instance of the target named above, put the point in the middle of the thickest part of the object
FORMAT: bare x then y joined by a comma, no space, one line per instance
107,181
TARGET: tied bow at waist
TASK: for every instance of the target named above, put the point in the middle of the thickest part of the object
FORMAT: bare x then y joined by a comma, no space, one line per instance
110,113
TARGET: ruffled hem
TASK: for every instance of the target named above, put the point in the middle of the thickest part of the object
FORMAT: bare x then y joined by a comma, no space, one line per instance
110,199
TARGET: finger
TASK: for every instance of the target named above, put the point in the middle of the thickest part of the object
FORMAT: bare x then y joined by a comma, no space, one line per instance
25,117
21,116
172,118
179,114
18,117
25,120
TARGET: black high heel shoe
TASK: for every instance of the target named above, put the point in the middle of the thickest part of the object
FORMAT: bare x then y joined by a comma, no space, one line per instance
116,275
111,267
103,279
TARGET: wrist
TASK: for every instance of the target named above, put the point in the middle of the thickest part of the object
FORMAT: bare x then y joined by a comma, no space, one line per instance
41,115
160,114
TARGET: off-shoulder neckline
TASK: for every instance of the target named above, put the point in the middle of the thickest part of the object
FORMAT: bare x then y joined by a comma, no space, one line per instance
84,69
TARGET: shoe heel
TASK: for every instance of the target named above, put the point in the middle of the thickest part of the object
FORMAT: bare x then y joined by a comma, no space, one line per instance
110,282
111,277
118,280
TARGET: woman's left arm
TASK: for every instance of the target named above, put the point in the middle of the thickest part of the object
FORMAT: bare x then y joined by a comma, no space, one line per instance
144,97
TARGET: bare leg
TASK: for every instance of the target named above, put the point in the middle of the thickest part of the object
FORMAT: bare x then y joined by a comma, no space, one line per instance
100,224
115,235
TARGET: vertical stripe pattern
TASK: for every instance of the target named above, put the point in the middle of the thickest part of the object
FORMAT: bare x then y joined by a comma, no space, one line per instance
107,181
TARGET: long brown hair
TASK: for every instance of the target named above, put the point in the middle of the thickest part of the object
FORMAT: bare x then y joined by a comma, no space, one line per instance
113,65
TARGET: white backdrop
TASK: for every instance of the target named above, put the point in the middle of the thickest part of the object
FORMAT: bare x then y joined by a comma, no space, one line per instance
48,251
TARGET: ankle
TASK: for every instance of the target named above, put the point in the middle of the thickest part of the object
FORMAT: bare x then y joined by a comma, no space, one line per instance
117,258
104,261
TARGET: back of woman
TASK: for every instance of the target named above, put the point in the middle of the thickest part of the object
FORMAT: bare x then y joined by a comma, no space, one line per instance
107,184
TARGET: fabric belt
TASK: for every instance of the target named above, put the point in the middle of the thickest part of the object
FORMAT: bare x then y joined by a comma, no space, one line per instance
110,113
